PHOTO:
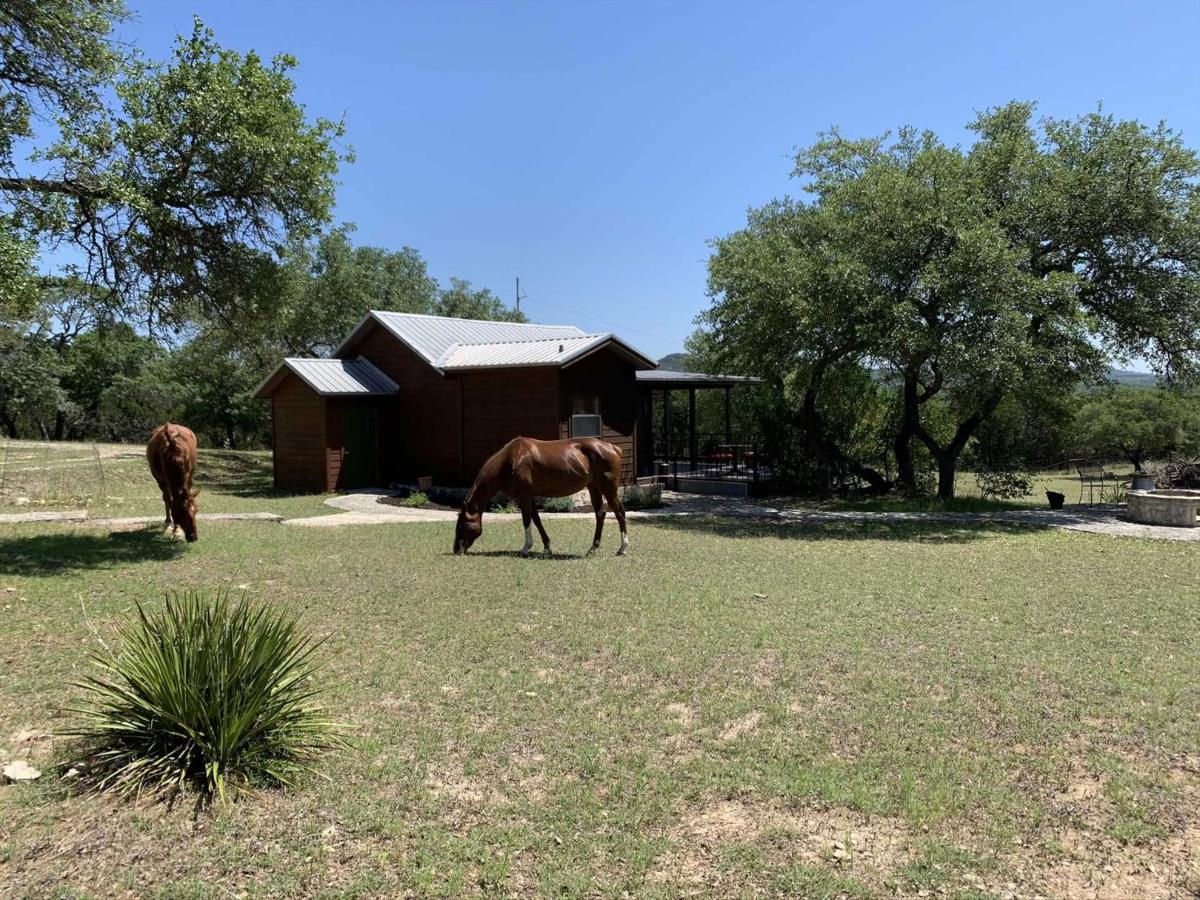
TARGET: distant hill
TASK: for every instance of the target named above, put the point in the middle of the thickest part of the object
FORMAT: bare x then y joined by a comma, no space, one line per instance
1133,379
675,362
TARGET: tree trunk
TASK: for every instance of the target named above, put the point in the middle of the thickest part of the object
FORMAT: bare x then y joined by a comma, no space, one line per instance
906,472
947,457
229,441
10,426
826,450
60,425
947,469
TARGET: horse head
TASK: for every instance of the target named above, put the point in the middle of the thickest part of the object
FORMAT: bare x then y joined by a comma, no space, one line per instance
467,529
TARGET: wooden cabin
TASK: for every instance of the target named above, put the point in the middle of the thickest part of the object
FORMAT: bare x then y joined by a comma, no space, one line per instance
407,395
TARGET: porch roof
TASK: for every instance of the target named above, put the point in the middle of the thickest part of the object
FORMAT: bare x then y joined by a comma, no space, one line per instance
664,380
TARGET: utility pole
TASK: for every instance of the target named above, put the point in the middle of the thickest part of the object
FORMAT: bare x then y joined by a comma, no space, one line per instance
518,293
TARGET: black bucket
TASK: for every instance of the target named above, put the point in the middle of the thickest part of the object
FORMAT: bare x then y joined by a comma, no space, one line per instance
1056,499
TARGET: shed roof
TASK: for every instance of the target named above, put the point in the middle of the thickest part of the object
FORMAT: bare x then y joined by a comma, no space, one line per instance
450,344
663,378
331,377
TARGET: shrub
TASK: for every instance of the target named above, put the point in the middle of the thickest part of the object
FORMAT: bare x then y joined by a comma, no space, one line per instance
212,694
642,496
1003,485
556,504
417,498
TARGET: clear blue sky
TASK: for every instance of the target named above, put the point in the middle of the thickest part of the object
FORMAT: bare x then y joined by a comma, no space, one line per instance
593,149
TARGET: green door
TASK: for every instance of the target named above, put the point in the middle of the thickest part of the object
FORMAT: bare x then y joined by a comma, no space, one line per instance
360,443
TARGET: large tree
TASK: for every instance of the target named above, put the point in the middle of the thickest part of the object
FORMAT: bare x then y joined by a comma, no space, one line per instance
169,188
1139,424
1019,265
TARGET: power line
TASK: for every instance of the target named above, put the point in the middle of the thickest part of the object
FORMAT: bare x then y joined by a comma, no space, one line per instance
625,328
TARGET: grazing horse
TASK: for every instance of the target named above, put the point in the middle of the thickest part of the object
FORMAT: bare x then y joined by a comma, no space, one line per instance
526,468
172,457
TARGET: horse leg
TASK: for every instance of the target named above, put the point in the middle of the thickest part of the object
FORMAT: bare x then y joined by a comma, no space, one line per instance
527,512
168,522
598,509
613,494
537,520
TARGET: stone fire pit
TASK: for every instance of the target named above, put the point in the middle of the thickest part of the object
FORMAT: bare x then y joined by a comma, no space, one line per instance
1174,507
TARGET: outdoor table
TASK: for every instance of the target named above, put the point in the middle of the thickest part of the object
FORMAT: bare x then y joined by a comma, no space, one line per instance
734,450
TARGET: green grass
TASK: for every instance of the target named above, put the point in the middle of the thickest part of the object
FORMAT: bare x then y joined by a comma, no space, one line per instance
969,499
114,480
958,707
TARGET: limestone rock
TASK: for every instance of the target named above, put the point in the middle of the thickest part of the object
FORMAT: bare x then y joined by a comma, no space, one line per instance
19,770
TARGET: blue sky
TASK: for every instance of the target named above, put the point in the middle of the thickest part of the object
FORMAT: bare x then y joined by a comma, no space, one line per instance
594,148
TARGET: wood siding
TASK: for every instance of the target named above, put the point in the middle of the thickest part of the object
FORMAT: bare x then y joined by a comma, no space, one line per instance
446,426
501,404
611,378
419,428
298,425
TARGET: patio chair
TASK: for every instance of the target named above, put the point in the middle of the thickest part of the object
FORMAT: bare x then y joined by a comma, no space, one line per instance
1092,476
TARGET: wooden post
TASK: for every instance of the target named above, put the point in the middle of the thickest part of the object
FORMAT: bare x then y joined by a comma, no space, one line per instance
728,418
692,427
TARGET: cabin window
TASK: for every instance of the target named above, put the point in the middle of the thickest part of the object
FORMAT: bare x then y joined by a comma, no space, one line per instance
585,417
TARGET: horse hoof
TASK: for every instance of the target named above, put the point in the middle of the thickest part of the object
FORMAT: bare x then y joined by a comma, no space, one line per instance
623,552
591,552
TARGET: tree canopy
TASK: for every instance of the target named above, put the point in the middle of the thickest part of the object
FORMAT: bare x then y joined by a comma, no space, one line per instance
1018,266
168,188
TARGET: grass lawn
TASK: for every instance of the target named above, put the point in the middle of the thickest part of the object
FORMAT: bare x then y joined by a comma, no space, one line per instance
114,480
734,709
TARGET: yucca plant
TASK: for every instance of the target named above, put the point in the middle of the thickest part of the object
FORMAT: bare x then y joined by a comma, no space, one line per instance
206,692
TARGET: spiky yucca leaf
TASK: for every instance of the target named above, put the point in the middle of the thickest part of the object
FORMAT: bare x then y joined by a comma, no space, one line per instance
206,691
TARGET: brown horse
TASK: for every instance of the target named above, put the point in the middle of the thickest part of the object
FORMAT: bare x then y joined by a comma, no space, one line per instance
172,457
526,468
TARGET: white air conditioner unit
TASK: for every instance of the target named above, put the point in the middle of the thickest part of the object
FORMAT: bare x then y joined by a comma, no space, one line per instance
585,425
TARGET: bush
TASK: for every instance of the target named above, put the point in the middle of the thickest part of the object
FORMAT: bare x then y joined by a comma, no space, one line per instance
1004,485
642,496
416,498
556,504
212,694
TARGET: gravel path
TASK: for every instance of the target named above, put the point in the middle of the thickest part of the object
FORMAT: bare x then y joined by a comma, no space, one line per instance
363,508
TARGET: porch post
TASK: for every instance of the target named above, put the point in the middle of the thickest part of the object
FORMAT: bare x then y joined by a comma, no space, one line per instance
728,418
666,395
692,427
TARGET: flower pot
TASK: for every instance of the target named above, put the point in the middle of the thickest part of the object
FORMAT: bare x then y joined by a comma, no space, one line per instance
1142,481
1056,499
425,483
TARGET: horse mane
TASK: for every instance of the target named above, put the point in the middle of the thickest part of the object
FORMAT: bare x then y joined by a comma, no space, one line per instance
487,472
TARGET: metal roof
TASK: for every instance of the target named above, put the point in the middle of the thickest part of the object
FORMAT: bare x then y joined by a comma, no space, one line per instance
554,352
431,336
332,377
664,378
450,344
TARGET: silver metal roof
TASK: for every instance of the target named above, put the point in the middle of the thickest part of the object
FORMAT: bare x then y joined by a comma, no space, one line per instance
432,336
694,379
333,377
553,352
